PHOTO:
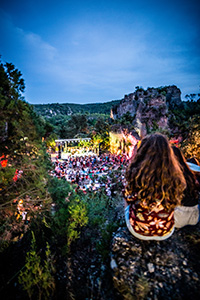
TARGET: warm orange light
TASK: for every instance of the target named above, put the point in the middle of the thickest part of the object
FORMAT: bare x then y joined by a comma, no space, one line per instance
4,163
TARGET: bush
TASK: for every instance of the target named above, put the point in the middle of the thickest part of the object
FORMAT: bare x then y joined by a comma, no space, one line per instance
37,278
102,220
70,213
77,219
59,190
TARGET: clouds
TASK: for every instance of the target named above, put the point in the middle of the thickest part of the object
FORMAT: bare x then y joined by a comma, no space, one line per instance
22,46
92,52
39,46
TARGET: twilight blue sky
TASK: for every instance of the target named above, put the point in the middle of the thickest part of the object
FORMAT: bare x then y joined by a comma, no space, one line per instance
87,51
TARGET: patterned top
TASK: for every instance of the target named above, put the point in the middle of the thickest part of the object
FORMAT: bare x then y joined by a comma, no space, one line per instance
154,221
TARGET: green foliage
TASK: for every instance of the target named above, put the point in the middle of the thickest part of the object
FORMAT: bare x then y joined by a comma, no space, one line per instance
77,124
21,145
74,120
21,132
103,244
127,119
47,280
162,90
185,118
36,277
101,219
59,190
155,126
48,110
73,211
192,108
77,219
101,134
139,89
180,115
164,93
191,144
84,144
6,175
31,275
50,141
191,97
70,213
97,205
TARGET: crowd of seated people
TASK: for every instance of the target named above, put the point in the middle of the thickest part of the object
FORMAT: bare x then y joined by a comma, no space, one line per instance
92,172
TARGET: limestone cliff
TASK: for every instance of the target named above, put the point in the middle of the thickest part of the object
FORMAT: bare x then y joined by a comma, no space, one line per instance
149,108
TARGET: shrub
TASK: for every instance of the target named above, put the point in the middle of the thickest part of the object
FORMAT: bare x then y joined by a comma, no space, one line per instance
77,219
36,277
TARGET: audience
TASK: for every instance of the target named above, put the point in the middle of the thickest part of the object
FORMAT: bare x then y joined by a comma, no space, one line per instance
92,173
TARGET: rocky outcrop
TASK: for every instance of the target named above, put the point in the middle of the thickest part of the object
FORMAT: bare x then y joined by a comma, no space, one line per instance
149,108
127,105
168,269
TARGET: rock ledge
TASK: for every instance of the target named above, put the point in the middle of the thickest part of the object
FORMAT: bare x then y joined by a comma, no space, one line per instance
167,269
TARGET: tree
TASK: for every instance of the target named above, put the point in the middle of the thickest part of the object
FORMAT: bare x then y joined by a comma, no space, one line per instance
76,125
50,141
191,97
191,144
101,134
23,160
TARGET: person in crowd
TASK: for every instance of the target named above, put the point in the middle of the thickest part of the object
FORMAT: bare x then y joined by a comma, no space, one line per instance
188,212
154,187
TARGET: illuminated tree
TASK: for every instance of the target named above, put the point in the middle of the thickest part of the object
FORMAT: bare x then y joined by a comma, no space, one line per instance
191,144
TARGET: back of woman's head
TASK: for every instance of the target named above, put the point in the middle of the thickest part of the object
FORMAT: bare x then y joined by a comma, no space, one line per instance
154,172
154,146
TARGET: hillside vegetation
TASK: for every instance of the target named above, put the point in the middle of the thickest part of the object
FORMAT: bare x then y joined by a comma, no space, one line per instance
55,109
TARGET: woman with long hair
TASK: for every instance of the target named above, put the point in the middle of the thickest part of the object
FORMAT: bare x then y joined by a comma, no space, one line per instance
187,213
155,185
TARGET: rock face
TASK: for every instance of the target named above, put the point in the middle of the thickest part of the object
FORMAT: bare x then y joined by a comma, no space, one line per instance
167,269
128,104
148,107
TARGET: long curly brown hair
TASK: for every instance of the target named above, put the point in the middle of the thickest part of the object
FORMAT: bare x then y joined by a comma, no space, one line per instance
155,174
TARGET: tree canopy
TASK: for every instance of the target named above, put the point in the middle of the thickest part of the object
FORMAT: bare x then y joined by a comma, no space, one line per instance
23,159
